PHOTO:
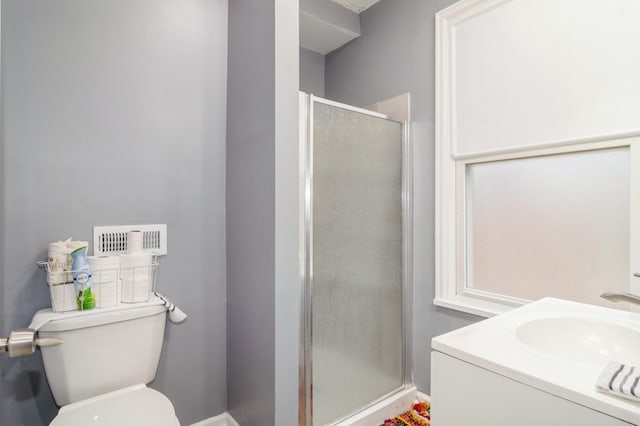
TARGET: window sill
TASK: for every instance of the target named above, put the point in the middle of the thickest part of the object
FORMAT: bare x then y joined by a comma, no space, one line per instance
471,305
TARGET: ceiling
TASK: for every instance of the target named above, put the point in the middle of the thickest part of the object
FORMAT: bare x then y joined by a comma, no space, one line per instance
325,25
356,6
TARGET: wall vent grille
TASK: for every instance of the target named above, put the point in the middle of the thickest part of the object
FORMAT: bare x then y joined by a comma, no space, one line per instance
109,240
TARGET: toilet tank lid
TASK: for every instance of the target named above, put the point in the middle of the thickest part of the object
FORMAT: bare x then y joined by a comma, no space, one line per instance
47,320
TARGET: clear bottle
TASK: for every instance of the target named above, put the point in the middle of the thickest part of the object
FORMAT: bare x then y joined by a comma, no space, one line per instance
82,279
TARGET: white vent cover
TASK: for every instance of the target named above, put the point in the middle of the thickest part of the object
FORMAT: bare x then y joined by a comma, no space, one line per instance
113,239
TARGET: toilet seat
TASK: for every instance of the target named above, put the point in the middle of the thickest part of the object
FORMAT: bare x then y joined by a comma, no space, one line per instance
134,405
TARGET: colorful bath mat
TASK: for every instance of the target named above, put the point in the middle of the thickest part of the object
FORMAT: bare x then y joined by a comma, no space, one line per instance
419,415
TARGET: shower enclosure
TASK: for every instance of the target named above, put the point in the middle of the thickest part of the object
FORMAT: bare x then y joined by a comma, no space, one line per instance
356,266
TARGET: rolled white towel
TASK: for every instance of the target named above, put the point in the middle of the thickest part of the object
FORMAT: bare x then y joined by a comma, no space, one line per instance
58,258
621,380
176,314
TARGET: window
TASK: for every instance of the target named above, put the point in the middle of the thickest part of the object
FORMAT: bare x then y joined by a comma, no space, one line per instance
551,225
537,153
553,222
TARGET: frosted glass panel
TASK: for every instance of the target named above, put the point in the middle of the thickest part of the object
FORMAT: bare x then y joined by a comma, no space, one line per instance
530,72
550,226
357,261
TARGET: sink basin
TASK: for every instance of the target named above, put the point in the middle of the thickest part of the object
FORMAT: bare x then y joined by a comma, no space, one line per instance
555,346
581,340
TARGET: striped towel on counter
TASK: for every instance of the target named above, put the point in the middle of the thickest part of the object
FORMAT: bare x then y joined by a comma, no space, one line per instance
621,380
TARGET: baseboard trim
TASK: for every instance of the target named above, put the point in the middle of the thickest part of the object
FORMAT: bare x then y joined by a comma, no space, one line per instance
386,409
224,419
421,396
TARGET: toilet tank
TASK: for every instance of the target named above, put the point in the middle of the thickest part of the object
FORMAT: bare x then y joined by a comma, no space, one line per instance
103,350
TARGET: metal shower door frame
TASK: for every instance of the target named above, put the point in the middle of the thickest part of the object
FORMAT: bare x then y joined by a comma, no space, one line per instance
305,401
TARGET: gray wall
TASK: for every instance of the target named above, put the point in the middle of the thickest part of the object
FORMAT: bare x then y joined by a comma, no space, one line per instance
2,214
251,212
114,113
311,72
394,55
262,197
288,291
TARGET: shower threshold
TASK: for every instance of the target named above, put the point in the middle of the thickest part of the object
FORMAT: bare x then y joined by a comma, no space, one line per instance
376,413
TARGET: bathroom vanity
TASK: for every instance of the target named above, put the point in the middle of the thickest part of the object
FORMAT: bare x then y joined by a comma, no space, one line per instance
536,365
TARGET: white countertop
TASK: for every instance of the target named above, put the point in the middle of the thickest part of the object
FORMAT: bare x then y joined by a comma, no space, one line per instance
491,344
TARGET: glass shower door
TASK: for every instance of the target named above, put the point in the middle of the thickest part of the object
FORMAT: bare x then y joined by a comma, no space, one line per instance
355,259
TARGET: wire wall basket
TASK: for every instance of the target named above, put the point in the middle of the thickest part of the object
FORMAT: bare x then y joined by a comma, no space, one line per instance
109,287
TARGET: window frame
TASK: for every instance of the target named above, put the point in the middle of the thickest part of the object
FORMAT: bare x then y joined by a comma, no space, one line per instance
450,178
454,293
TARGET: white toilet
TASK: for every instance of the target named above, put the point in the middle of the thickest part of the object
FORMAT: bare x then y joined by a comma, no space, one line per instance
98,374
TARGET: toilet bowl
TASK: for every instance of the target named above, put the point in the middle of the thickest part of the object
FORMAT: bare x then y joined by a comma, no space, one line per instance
98,374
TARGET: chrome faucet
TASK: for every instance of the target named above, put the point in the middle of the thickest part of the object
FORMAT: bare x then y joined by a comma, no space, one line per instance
621,297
